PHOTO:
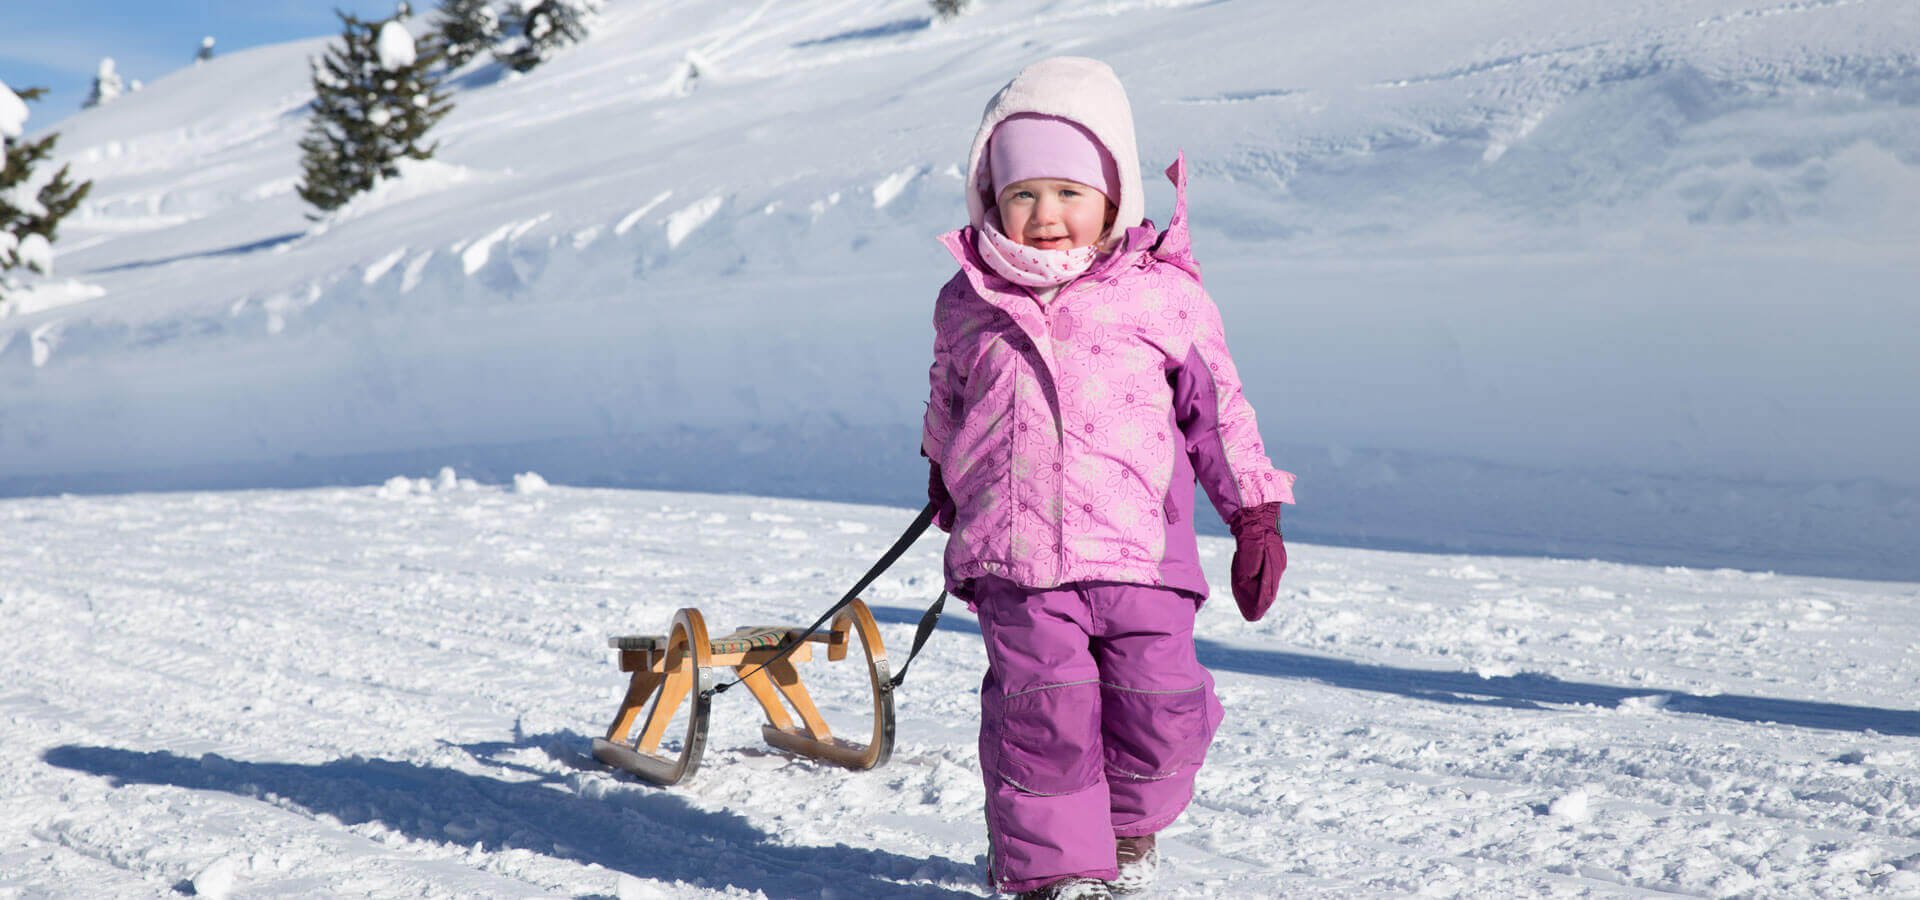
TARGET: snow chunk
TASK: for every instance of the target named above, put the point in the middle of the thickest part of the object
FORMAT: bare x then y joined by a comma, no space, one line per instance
382,266
395,47
631,888
35,253
1646,703
43,339
216,880
476,255
1571,806
31,251
418,178
416,269
529,483
401,486
689,219
891,187
48,295
631,219
445,480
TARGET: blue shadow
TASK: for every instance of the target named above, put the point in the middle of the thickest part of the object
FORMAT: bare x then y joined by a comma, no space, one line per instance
898,26
235,250
1531,691
647,834
1524,691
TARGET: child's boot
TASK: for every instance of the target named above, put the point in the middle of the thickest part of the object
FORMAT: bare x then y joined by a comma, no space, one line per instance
1139,863
1075,888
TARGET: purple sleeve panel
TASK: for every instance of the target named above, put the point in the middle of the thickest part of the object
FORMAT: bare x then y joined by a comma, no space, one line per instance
943,399
1223,439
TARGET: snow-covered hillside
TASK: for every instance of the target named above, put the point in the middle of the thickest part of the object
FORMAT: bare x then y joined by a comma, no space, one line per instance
390,691
1628,280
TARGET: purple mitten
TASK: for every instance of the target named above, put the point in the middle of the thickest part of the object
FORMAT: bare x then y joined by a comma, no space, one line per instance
943,510
1259,558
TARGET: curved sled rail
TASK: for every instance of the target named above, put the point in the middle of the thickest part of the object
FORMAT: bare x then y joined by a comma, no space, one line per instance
671,669
669,674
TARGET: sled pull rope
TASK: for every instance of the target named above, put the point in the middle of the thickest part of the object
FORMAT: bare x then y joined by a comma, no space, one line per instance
921,632
893,554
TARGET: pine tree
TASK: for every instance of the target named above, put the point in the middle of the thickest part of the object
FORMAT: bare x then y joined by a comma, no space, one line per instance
545,27
107,86
466,28
948,10
374,101
29,226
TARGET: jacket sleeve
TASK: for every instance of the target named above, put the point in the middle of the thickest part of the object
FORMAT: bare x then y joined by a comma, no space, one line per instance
1223,440
944,393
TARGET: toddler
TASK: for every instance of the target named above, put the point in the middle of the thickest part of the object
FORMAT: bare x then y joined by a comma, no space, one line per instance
1080,385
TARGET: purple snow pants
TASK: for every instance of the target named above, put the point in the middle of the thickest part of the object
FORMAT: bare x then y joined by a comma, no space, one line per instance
1094,717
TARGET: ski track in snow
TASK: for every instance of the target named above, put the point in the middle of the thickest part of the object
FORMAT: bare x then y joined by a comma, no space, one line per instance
390,691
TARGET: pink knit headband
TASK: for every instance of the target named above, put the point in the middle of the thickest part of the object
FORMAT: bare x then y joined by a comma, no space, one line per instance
1029,145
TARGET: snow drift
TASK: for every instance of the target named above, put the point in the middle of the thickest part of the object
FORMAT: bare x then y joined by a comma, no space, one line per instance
1633,282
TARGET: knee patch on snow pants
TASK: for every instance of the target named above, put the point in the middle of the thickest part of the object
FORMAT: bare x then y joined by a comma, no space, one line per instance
1154,734
1046,737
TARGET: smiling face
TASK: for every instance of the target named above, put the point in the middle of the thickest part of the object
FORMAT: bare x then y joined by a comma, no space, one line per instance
1054,214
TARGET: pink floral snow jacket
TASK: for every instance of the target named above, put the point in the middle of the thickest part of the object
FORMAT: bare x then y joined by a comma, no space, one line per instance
1069,435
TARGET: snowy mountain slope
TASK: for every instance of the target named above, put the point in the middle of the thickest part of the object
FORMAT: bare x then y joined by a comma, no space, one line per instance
390,691
1632,281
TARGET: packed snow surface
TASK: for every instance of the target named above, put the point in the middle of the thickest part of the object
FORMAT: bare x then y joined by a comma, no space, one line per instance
391,690
1631,280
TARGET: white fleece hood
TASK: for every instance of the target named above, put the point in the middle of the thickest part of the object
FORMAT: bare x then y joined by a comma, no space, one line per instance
1070,87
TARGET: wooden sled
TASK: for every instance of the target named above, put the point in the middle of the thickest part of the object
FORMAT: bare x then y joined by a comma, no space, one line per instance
679,667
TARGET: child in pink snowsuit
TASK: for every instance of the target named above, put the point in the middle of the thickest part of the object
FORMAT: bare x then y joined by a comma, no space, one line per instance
1080,386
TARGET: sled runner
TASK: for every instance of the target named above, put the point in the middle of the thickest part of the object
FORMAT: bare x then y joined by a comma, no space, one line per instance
678,667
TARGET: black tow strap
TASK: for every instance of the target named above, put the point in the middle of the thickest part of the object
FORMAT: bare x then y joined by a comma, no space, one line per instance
927,620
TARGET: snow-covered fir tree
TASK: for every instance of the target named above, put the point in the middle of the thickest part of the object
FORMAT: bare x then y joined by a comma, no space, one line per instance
206,50
465,29
541,28
29,218
375,98
107,86
950,9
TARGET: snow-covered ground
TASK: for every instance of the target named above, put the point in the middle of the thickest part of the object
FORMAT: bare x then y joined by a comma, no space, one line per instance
389,691
1632,280
1624,282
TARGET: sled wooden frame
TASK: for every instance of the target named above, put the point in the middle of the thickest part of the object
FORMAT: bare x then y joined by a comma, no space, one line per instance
678,667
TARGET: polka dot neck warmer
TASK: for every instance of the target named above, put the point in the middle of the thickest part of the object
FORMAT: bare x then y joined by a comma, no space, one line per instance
1029,266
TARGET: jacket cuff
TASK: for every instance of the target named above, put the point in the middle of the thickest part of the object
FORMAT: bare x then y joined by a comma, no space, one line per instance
1270,486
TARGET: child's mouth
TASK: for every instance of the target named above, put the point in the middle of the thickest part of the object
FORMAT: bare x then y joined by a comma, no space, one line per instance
1058,243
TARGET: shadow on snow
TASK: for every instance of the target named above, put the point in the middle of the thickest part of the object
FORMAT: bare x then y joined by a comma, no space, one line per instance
235,250
1528,690
898,26
645,833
